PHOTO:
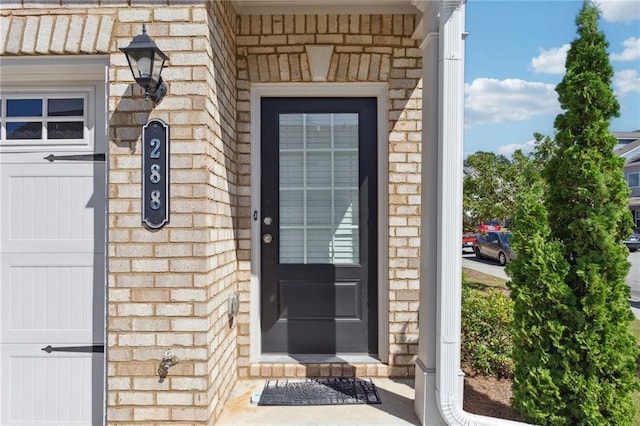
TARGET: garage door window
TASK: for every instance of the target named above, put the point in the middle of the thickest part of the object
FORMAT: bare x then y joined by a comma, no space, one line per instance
47,119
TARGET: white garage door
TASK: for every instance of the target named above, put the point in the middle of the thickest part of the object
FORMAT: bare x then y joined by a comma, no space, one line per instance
52,233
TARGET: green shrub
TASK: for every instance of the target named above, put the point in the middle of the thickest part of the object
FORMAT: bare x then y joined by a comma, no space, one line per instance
575,360
486,332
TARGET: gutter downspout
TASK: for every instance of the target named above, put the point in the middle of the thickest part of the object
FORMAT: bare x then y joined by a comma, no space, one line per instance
438,385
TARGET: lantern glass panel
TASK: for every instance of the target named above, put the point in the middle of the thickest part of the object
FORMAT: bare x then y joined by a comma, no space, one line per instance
144,67
140,64
158,63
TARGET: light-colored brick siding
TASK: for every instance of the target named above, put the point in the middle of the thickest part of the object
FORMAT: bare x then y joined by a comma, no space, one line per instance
367,48
168,289
26,32
177,279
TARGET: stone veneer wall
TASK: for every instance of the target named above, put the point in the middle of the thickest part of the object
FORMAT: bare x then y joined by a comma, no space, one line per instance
167,289
367,48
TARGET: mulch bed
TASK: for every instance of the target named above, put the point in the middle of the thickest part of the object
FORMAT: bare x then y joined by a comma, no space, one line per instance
488,396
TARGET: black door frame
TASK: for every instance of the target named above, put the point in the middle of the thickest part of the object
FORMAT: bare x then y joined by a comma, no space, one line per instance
376,90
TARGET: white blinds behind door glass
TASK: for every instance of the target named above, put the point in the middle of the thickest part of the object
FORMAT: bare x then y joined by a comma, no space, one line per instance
319,207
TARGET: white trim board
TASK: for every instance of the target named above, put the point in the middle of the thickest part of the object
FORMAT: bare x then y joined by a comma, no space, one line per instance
43,70
292,90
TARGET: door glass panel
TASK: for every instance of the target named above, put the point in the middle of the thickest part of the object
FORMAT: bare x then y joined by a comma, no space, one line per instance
65,107
24,130
319,208
65,130
319,248
318,131
24,107
345,131
290,131
291,208
319,188
318,169
45,119
345,223
291,170
346,169
292,244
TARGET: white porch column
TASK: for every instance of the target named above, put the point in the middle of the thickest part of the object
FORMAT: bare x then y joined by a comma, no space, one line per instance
443,124
449,379
425,373
439,382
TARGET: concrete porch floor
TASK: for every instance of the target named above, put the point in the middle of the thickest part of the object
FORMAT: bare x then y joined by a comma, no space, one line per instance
396,408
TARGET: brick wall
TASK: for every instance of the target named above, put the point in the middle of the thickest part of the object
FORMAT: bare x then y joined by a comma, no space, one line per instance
367,48
167,289
172,285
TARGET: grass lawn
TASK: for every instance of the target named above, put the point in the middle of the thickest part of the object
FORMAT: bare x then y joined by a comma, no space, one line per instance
483,282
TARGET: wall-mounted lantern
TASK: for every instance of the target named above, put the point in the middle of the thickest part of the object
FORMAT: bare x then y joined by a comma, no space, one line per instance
146,62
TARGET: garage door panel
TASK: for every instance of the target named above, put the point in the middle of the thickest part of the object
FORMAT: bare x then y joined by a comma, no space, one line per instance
52,298
49,389
52,261
51,204
44,246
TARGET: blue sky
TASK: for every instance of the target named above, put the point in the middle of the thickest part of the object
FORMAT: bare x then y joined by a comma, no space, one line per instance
515,55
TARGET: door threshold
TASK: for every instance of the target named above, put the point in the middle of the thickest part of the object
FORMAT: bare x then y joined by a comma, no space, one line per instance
319,359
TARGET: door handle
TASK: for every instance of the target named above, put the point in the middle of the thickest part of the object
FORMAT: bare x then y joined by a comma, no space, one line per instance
267,238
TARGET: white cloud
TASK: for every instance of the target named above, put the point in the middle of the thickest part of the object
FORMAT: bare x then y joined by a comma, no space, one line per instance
631,50
619,10
626,81
508,150
489,100
550,61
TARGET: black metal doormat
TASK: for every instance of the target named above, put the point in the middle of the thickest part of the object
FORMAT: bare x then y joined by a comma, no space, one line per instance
319,391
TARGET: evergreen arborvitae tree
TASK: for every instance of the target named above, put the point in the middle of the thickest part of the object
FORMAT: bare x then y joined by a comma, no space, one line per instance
542,307
582,362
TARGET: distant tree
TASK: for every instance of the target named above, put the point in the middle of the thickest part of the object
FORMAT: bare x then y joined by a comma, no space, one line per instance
489,191
576,359
491,188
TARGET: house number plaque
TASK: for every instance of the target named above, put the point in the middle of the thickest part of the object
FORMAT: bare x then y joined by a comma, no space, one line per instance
155,173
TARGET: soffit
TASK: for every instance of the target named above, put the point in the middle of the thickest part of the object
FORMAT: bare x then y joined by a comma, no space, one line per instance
288,7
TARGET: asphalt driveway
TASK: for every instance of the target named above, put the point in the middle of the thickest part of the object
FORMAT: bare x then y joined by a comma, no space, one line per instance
470,261
633,281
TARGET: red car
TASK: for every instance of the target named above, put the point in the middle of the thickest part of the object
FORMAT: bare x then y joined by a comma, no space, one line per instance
492,225
468,240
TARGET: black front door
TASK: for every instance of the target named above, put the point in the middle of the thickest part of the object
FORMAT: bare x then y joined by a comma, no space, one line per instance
318,225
